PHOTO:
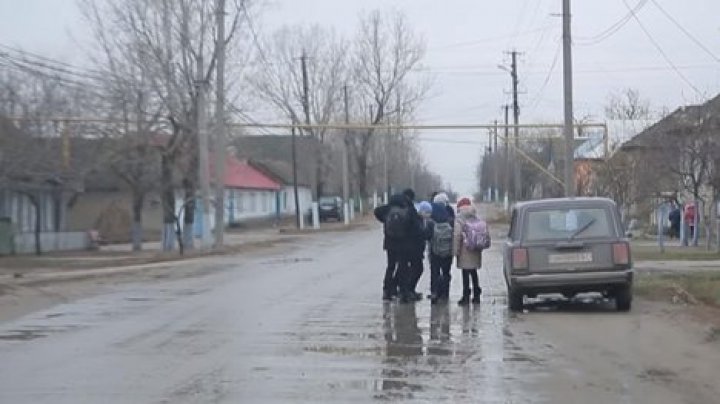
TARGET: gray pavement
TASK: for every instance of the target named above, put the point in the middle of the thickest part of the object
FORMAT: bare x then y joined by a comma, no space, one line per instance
307,326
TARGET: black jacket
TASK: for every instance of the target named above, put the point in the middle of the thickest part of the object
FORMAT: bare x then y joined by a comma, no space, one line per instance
407,244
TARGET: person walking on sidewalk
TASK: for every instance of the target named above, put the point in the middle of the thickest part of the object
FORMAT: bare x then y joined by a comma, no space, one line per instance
470,238
441,251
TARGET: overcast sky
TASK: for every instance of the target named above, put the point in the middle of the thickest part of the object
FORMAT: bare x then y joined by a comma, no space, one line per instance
466,40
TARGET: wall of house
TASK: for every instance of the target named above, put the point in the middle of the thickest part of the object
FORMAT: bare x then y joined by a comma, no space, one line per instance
111,214
287,199
21,211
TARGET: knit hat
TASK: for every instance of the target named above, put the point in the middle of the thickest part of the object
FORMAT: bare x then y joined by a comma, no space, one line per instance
464,202
441,198
424,207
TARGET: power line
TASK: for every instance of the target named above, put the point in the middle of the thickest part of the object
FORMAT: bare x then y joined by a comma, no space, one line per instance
685,31
612,29
50,60
536,101
487,39
660,50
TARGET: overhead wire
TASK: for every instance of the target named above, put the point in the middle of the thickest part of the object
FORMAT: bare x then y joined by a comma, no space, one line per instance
612,29
686,32
536,100
660,50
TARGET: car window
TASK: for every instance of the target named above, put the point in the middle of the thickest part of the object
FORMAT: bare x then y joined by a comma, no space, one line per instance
578,223
513,225
327,201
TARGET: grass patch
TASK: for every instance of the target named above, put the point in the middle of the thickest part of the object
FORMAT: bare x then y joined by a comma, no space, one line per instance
673,253
693,287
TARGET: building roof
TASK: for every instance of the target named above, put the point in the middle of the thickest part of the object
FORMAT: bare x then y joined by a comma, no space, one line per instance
280,171
275,151
684,120
240,174
592,148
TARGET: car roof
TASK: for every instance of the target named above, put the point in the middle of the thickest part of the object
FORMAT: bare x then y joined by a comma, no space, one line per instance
554,202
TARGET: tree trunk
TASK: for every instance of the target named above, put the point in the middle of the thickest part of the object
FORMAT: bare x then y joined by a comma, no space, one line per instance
38,223
168,204
137,229
362,176
188,235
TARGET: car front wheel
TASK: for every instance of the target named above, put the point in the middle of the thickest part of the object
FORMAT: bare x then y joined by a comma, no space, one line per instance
515,300
623,298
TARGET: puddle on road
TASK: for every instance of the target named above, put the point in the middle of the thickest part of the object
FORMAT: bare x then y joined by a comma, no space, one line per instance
22,335
420,351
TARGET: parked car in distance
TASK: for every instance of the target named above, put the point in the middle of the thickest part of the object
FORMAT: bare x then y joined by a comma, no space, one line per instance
567,246
331,207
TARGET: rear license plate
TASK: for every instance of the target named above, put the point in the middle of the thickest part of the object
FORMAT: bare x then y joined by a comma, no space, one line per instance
573,258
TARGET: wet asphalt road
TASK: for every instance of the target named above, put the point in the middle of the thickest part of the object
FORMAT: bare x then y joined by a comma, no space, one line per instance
307,325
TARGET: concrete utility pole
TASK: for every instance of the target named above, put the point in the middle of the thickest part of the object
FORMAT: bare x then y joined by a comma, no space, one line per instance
495,167
220,127
306,112
517,182
567,87
298,213
508,163
345,160
203,161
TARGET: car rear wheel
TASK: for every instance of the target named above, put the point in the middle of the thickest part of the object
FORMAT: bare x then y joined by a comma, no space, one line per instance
515,300
623,299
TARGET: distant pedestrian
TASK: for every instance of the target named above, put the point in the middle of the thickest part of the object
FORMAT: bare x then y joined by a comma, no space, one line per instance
690,219
399,219
441,252
675,217
471,237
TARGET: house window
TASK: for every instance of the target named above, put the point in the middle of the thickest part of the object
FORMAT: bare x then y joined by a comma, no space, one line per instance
253,202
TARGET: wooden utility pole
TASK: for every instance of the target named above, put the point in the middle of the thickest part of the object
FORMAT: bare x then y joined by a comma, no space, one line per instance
508,163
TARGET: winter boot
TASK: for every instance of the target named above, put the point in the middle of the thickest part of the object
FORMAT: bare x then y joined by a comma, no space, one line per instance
476,295
465,299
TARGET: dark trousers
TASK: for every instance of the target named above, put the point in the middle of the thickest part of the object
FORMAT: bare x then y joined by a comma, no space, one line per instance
397,273
416,270
440,275
467,274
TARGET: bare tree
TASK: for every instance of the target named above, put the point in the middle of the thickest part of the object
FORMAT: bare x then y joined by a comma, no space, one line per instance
627,105
168,47
280,83
385,52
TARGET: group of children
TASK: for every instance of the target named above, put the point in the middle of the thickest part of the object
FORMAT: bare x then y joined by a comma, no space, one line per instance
411,230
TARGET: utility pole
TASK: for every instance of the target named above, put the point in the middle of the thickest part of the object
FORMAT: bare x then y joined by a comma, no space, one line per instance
508,163
203,161
308,129
568,96
220,127
295,180
345,160
495,168
517,185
